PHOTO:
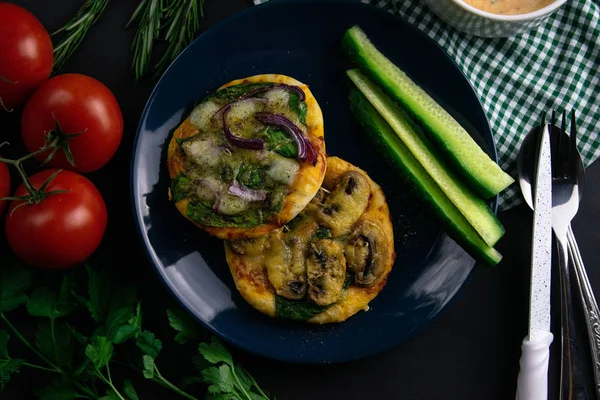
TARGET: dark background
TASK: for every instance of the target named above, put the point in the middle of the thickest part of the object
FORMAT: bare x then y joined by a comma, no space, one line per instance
470,352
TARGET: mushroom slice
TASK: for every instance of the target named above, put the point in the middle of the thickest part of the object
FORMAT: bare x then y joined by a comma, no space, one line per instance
326,270
346,203
367,252
287,275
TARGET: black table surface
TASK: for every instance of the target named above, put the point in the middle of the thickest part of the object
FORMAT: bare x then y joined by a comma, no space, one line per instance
470,352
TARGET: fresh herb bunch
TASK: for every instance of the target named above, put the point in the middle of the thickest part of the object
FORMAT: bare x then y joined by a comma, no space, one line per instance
87,334
76,29
181,23
148,16
177,21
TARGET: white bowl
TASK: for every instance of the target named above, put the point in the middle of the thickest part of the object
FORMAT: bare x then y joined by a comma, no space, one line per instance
472,20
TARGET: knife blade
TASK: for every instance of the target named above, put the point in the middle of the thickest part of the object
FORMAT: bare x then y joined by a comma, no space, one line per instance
541,254
532,383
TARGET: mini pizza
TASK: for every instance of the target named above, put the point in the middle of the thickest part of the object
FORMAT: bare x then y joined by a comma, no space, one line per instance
326,264
249,157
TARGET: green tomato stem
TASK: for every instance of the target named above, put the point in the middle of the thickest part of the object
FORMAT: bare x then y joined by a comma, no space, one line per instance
36,194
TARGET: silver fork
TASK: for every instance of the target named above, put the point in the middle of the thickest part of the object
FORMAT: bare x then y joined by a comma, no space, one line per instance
565,203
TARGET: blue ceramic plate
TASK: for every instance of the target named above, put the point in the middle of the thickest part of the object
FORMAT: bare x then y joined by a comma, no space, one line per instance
302,39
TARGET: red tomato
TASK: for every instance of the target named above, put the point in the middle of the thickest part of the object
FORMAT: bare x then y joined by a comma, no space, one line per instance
63,229
26,55
4,186
79,104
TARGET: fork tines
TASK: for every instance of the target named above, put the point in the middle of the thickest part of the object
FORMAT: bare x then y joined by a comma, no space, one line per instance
564,148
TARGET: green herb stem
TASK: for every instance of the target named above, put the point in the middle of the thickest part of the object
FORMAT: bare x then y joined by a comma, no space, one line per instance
172,387
76,30
53,367
29,345
258,387
240,384
35,366
108,381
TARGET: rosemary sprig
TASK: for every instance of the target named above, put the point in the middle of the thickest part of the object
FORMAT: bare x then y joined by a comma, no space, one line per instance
181,24
147,15
76,29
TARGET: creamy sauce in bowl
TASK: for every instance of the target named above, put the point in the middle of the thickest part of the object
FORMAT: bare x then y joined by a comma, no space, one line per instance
509,7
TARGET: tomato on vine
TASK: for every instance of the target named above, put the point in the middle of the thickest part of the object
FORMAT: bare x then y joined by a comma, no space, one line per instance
81,115
26,55
4,186
61,223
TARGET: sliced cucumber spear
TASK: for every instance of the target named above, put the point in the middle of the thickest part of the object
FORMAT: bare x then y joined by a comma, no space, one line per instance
386,140
472,207
483,173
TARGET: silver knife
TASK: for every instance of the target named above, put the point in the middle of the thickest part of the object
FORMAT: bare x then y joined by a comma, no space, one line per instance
532,383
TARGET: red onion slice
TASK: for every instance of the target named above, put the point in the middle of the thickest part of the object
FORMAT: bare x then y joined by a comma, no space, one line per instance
262,89
251,144
245,193
306,152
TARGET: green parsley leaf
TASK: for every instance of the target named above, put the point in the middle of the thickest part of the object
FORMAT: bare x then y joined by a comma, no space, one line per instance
13,282
4,338
110,395
184,324
57,390
119,313
7,368
189,380
99,293
43,303
214,352
99,351
124,333
55,340
220,380
129,390
136,320
148,363
149,344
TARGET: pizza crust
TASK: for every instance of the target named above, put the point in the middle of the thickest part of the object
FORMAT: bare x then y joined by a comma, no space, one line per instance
308,177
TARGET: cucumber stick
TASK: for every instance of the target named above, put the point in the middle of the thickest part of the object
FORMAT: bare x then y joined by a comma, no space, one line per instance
386,140
482,172
472,207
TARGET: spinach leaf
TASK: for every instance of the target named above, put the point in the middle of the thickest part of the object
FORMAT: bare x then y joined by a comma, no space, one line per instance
322,233
181,141
179,187
231,93
280,143
349,280
297,310
299,107
251,176
226,174
203,214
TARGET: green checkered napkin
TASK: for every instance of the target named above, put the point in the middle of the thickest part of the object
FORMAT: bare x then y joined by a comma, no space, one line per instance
553,67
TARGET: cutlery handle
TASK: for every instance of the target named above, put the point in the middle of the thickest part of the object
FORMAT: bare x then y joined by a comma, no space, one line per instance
572,385
532,382
590,307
